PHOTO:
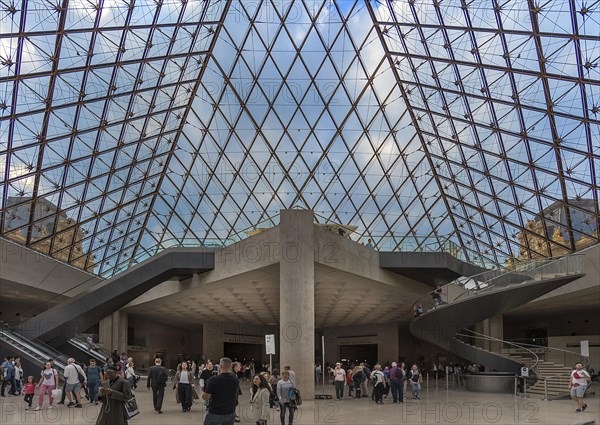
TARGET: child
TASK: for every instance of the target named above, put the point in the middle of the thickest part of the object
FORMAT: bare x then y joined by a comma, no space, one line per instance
29,391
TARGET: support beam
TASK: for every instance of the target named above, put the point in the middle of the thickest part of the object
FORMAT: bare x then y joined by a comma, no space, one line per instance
297,297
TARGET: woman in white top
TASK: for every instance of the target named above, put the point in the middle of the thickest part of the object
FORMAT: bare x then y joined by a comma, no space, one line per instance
18,377
48,382
184,383
130,375
259,399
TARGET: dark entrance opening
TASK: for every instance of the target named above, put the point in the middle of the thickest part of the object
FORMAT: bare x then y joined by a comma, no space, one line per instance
354,354
237,351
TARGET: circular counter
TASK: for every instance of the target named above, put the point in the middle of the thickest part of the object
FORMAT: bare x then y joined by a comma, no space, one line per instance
491,382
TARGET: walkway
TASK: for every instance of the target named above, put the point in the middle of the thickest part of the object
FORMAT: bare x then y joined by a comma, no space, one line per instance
435,407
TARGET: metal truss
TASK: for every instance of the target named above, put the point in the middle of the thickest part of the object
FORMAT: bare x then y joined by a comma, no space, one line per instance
129,126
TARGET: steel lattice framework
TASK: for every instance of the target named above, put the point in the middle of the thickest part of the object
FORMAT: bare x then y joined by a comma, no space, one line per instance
127,126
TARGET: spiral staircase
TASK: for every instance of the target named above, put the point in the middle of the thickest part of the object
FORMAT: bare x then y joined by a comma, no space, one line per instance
470,300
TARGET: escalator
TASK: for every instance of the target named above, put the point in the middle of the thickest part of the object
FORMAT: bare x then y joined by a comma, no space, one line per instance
474,299
34,353
80,351
57,325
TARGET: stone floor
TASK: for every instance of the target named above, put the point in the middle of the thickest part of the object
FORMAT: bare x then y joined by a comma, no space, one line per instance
435,407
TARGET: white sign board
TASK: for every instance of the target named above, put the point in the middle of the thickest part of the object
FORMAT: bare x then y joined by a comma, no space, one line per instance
270,343
585,348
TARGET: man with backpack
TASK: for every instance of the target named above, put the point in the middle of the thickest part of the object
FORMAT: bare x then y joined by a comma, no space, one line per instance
397,383
157,380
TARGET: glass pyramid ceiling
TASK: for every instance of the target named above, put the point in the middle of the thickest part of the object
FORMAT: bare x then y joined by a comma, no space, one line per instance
127,127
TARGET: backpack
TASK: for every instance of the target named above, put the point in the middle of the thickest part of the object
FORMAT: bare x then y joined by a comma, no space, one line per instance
163,377
374,379
399,374
294,396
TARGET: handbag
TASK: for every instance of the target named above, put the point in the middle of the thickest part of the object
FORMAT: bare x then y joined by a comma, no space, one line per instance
56,393
195,395
131,408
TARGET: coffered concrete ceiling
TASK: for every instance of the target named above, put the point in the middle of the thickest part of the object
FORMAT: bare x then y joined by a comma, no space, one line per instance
341,299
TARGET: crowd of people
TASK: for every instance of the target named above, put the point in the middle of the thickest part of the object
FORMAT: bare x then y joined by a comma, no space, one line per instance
395,379
219,384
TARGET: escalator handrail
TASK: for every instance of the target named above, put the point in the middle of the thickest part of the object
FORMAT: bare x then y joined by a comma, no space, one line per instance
42,356
83,346
100,350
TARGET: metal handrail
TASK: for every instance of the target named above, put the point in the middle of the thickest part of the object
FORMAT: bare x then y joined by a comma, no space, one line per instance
491,338
83,346
41,354
586,359
461,282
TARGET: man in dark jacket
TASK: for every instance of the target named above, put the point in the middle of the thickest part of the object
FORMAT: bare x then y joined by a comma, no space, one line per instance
157,380
114,392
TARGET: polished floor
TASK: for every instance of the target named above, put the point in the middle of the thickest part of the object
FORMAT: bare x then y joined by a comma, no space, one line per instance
434,407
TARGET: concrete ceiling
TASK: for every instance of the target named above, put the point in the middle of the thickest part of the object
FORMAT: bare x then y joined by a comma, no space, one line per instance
341,299
581,300
18,300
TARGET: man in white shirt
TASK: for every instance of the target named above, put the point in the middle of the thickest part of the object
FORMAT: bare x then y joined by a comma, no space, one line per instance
577,384
339,379
73,385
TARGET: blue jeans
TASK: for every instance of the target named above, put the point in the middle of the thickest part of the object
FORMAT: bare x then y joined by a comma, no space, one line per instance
212,419
93,389
291,408
416,389
339,389
396,389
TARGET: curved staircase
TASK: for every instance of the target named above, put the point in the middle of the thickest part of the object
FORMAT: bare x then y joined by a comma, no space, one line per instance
469,300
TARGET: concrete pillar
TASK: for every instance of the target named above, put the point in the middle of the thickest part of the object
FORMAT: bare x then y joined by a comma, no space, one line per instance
113,331
212,341
297,297
493,327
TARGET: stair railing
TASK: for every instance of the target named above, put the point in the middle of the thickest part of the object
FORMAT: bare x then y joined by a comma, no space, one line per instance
534,361
583,359
468,286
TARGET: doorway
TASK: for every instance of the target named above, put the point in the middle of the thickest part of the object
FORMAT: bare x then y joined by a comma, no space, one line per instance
354,354
237,351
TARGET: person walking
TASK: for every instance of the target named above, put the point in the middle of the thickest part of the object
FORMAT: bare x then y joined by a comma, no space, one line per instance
29,390
18,377
8,366
283,394
73,384
94,376
339,379
157,380
48,382
130,374
221,390
184,384
259,399
114,393
357,377
577,385
416,379
349,382
378,379
365,382
397,383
